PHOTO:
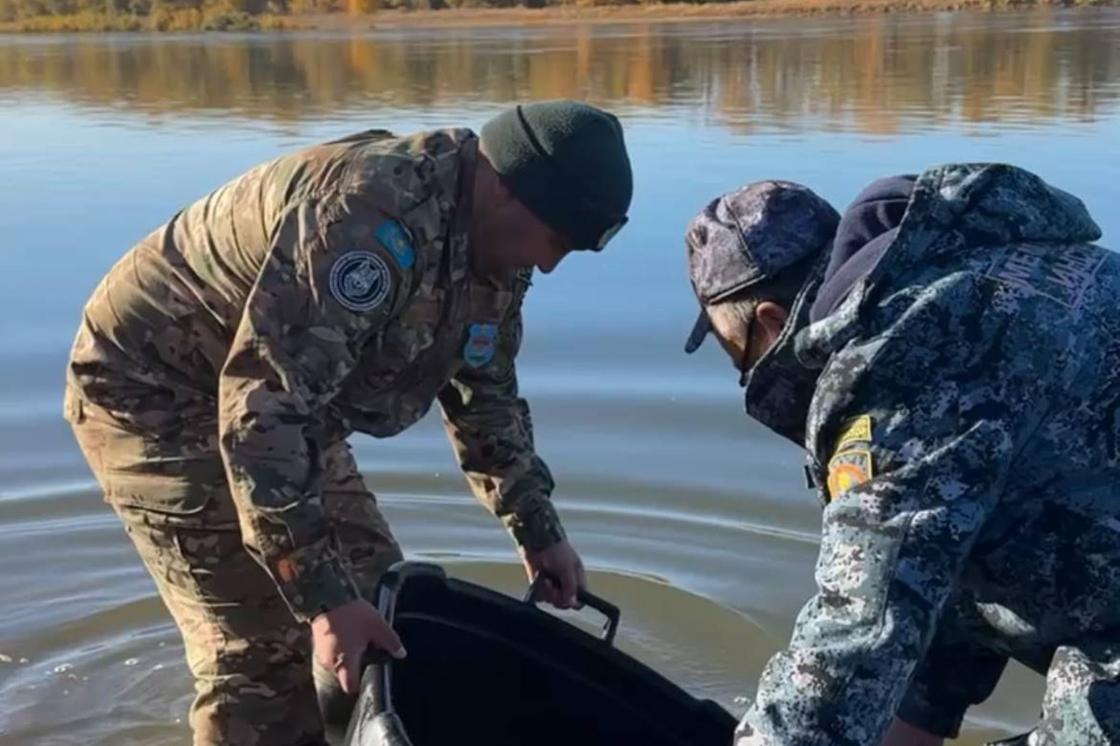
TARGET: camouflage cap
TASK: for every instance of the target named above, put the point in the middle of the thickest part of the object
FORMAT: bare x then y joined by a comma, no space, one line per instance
748,236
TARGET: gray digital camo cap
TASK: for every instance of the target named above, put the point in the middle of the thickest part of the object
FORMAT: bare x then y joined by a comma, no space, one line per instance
748,236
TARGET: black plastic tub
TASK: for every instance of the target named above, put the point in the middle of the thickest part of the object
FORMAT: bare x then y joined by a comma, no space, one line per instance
485,668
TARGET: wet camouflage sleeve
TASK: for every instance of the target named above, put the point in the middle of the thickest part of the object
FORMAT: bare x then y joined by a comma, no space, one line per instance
492,433
946,395
326,287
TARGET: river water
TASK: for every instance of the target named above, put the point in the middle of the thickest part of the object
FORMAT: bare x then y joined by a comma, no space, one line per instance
692,518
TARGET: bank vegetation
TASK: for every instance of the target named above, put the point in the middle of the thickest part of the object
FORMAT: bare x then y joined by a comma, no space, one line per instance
264,15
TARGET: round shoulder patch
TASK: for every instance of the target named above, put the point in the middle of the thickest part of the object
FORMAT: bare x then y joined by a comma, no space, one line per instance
360,280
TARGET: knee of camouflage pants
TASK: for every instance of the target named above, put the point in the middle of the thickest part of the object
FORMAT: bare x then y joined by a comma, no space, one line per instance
1081,706
250,658
252,661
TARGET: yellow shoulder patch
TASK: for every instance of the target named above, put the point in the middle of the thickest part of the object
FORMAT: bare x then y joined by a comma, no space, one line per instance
856,430
847,470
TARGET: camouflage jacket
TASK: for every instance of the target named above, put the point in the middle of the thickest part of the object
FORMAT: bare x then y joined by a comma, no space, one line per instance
962,426
325,292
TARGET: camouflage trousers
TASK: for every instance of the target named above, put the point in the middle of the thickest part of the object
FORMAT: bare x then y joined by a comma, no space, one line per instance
966,660
1080,707
251,660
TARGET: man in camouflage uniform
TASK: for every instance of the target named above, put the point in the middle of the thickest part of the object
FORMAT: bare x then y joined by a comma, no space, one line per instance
950,360
222,363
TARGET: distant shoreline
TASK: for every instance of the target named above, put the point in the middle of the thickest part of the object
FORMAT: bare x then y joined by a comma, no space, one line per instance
644,12
667,12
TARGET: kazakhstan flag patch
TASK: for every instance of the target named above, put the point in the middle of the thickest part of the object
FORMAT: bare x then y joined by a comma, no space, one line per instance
395,238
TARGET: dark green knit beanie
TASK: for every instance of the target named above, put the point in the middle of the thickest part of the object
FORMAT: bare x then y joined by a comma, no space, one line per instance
566,161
